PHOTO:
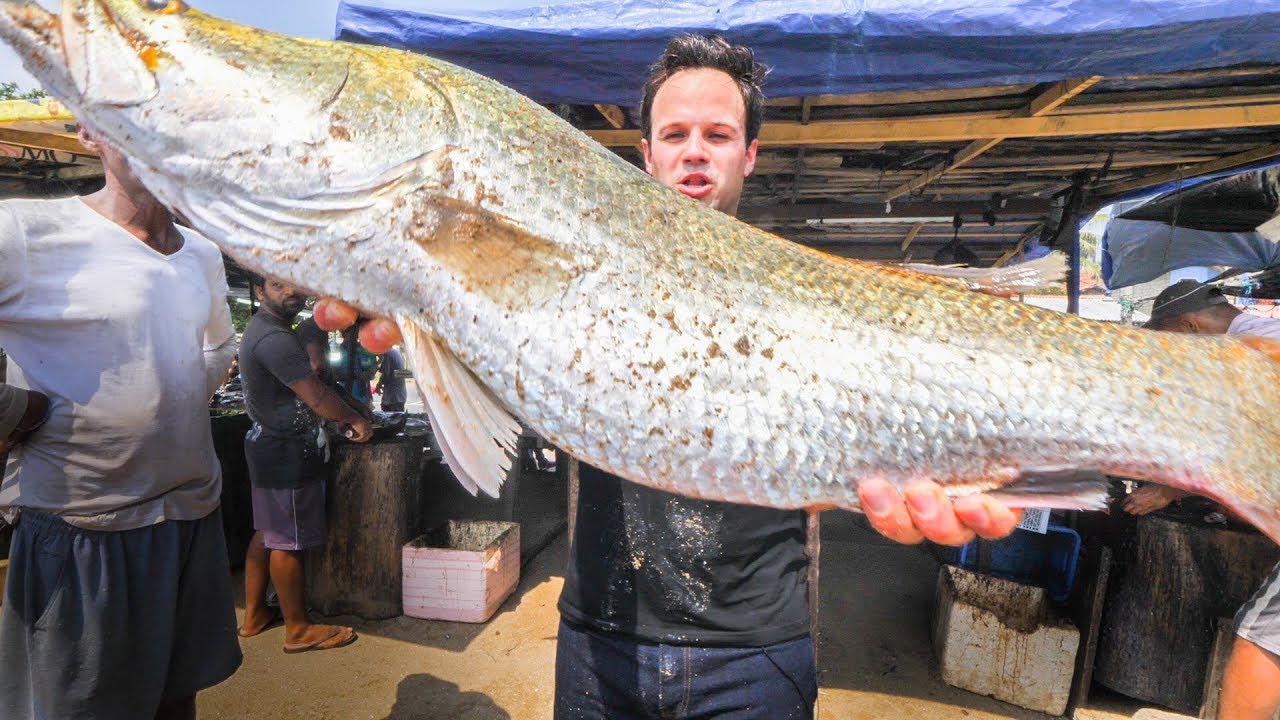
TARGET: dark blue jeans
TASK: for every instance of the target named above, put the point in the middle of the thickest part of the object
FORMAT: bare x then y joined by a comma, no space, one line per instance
602,677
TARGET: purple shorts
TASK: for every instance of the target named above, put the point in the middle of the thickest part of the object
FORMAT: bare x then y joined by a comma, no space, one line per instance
289,518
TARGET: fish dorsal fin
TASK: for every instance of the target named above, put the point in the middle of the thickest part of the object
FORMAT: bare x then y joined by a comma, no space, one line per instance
1268,346
477,435
1009,280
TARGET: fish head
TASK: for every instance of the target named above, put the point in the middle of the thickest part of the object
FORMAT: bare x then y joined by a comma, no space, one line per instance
255,138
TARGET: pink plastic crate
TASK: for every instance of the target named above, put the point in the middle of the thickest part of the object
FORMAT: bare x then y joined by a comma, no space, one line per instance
461,571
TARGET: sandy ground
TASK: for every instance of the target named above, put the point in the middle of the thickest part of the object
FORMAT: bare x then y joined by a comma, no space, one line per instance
874,654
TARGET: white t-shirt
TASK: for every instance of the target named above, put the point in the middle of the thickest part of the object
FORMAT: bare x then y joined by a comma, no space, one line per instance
128,344
1246,324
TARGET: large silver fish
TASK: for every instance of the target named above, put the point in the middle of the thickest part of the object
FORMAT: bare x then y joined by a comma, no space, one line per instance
534,273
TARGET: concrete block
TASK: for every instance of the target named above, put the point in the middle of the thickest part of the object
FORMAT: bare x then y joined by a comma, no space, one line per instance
997,637
462,571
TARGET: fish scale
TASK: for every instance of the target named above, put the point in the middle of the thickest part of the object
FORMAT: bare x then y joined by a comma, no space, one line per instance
534,273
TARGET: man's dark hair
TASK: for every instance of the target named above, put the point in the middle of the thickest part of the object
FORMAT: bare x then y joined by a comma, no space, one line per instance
689,52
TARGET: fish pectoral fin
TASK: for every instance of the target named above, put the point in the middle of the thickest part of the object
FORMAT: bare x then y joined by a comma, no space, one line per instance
1012,279
477,435
1265,345
1055,487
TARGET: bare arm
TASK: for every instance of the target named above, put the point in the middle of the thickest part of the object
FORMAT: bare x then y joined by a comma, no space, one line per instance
326,403
37,409
219,335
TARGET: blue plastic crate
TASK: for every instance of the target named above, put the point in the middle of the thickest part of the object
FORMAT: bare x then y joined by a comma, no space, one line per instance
1047,560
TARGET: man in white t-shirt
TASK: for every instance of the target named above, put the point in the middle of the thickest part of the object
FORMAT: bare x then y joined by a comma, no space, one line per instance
118,602
1251,681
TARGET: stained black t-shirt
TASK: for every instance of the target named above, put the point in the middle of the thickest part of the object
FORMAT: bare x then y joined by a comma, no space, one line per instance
663,568
272,359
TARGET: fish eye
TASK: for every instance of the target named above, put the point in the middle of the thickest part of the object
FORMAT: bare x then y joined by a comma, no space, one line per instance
165,7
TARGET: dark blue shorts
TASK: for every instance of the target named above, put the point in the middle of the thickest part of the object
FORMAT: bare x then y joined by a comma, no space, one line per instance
109,625
603,676
289,518
286,474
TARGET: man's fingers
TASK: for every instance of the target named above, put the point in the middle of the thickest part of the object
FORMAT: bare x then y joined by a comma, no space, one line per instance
887,513
379,335
933,514
361,432
986,516
1147,499
332,314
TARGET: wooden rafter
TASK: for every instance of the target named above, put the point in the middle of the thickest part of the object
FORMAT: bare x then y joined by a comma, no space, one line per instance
1117,121
1224,163
902,97
614,114
1040,106
911,235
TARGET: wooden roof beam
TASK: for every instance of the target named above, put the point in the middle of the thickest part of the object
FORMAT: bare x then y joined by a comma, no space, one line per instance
1041,105
614,115
911,235
945,129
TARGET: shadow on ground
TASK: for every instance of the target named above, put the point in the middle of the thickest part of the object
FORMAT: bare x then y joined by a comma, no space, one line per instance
422,696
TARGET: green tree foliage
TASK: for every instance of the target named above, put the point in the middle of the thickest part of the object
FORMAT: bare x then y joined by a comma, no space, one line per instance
10,91
240,314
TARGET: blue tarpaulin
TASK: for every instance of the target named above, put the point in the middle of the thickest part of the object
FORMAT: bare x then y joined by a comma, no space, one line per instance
593,51
1138,251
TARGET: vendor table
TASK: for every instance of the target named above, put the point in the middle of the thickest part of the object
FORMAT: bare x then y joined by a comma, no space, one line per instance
374,505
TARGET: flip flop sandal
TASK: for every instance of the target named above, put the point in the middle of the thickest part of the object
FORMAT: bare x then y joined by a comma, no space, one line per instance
325,643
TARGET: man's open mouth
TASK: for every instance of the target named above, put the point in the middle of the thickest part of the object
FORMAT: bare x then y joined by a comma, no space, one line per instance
696,185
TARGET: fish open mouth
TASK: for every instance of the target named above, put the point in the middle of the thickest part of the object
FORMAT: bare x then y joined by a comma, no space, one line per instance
109,64
36,35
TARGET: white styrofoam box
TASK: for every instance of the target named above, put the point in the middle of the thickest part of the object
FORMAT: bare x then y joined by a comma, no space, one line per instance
461,571
997,637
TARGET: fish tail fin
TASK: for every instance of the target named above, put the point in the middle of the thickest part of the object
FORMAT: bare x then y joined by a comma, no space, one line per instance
1008,280
476,433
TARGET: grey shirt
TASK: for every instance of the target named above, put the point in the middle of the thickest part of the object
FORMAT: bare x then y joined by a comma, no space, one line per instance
271,359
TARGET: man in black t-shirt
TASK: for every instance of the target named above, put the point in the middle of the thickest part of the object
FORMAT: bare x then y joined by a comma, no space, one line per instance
675,607
286,454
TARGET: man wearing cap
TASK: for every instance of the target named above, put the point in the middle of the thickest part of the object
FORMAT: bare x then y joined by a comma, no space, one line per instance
1251,681
1188,306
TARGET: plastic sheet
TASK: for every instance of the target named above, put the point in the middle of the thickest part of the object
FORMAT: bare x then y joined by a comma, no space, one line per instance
594,51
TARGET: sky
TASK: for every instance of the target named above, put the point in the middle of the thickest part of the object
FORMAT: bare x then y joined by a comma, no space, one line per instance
304,18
